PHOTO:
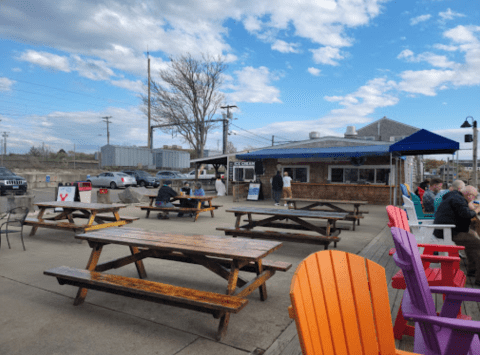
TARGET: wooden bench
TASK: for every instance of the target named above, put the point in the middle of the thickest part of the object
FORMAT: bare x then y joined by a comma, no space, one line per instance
203,301
290,226
177,208
50,223
284,236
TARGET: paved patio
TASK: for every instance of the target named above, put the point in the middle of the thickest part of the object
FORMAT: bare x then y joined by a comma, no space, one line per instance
38,317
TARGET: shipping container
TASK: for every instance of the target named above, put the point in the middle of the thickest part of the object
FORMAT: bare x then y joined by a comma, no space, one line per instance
171,159
114,155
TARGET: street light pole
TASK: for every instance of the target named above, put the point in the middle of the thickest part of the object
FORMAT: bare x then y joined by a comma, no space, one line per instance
466,124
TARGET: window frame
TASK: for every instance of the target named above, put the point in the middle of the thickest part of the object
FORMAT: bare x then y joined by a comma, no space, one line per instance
375,167
297,167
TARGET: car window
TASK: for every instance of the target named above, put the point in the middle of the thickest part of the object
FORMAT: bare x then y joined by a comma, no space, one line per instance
5,171
109,174
102,174
122,174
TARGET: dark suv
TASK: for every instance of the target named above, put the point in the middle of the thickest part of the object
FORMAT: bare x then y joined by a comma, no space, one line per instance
11,183
143,178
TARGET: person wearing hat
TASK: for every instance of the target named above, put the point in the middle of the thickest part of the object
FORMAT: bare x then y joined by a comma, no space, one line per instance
163,198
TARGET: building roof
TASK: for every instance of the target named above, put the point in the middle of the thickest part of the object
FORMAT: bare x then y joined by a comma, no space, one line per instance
318,152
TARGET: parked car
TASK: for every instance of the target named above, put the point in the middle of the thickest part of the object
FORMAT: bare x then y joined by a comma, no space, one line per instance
143,178
170,174
112,180
12,183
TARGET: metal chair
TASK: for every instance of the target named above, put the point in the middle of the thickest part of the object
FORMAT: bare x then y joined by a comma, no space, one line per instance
14,224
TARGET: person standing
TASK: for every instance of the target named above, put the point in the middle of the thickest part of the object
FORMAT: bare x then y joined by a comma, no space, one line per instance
457,208
277,186
287,187
430,194
220,187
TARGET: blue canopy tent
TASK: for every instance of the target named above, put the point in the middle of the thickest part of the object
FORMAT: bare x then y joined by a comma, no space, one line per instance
422,142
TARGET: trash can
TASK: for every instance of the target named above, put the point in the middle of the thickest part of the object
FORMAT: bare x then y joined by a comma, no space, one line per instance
84,189
103,196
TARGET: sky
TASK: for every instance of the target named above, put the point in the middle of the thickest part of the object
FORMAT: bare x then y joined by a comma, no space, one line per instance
293,67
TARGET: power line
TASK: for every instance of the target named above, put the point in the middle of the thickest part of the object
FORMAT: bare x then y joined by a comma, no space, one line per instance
267,139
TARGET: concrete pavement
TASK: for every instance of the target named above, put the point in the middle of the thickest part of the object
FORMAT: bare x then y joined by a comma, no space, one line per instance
38,317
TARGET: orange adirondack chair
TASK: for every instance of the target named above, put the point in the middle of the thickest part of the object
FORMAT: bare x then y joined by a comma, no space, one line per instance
449,273
340,305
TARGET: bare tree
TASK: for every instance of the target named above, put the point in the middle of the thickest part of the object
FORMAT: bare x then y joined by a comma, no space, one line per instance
188,96
231,148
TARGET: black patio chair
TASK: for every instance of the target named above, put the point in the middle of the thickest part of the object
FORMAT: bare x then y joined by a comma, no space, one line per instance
14,224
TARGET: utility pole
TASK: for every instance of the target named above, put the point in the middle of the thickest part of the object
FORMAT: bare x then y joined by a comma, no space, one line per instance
150,143
225,126
273,140
107,119
5,135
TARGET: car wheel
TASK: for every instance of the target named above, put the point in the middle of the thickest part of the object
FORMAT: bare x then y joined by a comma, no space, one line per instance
142,183
113,186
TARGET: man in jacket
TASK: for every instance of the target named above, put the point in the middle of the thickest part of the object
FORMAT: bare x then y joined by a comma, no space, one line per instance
457,208
277,187
163,198
430,194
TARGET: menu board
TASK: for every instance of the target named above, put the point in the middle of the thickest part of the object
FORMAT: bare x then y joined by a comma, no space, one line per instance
253,191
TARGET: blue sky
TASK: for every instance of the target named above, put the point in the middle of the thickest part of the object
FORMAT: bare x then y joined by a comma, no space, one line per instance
293,66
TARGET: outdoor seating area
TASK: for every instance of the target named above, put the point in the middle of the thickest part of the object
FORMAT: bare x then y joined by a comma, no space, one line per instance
118,268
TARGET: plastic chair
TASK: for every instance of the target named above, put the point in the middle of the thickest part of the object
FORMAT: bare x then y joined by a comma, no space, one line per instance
423,228
449,273
340,305
434,335
419,208
404,190
420,193
14,224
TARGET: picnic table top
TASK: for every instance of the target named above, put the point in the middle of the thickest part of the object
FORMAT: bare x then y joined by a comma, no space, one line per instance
289,212
189,197
326,201
81,205
207,245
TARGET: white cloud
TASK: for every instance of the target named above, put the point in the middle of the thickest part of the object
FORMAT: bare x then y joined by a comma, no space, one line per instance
416,20
254,86
462,34
285,47
424,81
16,70
314,71
445,47
136,86
6,84
326,55
449,14
46,60
431,58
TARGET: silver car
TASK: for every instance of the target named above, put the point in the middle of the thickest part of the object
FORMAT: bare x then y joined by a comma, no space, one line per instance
112,180
170,175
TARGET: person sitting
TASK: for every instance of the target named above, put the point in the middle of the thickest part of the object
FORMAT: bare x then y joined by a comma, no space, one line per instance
457,185
183,202
163,198
423,185
199,191
429,195
457,208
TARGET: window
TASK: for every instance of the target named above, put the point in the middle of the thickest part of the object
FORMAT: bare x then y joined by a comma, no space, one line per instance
244,173
299,173
359,175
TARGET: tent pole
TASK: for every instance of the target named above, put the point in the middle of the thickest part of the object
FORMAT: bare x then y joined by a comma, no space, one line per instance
390,178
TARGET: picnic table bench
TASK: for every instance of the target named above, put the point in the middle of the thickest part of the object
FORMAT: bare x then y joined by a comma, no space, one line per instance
223,256
204,204
104,215
353,215
277,218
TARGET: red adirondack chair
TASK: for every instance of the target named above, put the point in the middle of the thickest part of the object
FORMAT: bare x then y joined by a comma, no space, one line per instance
449,274
442,334
420,193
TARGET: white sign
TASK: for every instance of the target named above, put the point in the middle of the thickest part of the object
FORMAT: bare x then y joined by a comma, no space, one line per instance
253,192
65,193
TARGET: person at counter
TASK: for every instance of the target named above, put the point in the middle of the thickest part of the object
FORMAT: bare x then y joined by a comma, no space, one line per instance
457,208
277,186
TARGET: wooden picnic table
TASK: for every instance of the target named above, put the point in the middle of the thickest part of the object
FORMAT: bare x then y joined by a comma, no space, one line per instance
105,216
354,215
223,256
203,204
287,219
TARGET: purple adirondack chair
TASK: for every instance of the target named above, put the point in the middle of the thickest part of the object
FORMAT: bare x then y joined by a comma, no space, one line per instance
434,335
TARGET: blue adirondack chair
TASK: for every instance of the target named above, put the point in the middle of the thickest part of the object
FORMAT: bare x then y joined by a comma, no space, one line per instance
404,190
434,335
419,208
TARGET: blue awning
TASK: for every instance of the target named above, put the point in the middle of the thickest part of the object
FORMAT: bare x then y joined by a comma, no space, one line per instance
424,142
317,152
